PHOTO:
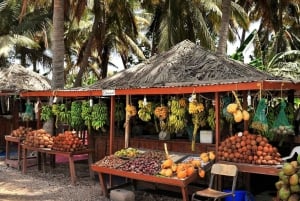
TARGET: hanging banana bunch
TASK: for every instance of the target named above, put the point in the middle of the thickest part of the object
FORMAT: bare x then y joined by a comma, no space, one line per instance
130,110
196,109
86,113
237,111
46,112
177,119
119,113
145,110
161,112
64,114
76,120
99,115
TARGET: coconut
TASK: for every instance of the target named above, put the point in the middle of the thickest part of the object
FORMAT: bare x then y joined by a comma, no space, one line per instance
288,169
284,193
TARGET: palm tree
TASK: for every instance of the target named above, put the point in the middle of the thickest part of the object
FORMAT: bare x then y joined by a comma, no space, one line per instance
18,33
114,27
197,20
58,48
223,34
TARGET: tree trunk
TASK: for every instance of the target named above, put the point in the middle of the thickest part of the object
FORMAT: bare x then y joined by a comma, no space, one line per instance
58,47
223,34
87,50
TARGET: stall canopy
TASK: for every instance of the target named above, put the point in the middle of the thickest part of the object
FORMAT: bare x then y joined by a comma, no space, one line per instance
17,78
185,68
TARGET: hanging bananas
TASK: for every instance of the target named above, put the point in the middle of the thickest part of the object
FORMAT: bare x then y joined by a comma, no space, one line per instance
119,112
46,112
76,120
86,113
145,110
99,116
196,109
177,119
130,110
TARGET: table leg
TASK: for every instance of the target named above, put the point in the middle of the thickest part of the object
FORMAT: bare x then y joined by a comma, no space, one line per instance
185,194
103,184
7,154
19,155
43,162
90,162
24,153
72,170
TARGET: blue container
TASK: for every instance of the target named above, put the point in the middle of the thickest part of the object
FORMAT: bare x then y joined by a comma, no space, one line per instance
240,195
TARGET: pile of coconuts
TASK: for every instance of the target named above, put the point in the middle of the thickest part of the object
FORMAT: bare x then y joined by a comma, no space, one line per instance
288,185
245,147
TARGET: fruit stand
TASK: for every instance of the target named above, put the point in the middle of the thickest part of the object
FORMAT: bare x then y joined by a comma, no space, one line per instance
205,81
174,169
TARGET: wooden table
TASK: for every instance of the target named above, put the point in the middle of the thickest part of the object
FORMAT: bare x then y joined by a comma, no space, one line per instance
70,156
9,140
271,170
181,183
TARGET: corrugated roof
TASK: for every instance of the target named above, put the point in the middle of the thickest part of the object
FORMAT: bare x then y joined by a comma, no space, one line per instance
18,78
186,64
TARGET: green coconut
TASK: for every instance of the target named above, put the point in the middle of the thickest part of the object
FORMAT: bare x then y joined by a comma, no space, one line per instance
295,188
294,179
288,169
294,197
284,193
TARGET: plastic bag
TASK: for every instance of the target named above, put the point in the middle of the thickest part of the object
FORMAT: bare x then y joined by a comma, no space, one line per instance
260,122
281,124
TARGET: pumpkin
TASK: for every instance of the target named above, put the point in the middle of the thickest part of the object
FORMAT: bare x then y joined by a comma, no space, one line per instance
238,116
232,108
246,115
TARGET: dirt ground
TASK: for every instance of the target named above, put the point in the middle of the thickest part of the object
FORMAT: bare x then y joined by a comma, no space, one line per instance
56,185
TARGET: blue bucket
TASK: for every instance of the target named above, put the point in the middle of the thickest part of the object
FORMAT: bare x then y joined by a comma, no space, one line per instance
240,195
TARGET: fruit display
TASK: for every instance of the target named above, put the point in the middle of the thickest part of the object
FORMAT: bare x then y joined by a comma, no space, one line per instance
142,165
99,115
145,110
76,120
248,148
110,161
161,112
39,138
20,132
68,142
127,152
237,111
177,115
288,185
187,167
196,109
130,110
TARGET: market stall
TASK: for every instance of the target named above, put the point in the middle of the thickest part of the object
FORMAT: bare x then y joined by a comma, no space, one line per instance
207,82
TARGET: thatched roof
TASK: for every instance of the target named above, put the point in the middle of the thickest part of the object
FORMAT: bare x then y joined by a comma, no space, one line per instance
18,78
186,64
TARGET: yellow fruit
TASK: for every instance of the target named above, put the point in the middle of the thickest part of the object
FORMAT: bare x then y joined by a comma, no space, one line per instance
201,173
211,155
196,163
232,108
167,163
238,116
246,115
168,172
203,155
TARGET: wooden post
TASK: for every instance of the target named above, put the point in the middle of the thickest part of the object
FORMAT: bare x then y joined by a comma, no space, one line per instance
127,128
217,113
112,124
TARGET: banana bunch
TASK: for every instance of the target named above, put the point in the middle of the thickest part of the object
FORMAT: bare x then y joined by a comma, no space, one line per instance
130,110
99,116
86,113
195,107
64,114
176,121
145,110
76,120
46,112
119,112
161,112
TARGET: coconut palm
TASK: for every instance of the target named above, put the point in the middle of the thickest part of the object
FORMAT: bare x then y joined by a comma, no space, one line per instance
18,32
197,20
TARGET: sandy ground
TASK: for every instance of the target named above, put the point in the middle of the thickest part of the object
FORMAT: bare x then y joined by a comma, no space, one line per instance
55,185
